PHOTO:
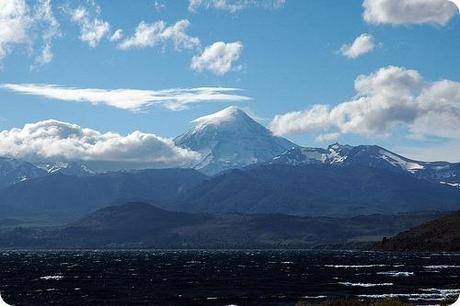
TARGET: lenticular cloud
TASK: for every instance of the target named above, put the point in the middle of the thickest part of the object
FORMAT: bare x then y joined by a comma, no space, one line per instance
175,99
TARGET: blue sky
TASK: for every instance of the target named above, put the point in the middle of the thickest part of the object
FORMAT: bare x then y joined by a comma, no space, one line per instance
286,57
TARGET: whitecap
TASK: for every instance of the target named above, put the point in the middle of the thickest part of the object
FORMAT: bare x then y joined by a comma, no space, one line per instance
396,273
436,267
430,294
52,277
354,266
367,285
314,297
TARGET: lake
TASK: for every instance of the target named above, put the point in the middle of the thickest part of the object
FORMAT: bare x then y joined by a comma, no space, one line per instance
202,277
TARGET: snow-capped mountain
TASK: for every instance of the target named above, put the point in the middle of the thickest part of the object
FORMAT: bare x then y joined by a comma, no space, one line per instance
13,171
231,139
66,168
372,156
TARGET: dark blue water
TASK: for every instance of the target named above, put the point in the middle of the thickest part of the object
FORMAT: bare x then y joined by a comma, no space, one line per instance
222,277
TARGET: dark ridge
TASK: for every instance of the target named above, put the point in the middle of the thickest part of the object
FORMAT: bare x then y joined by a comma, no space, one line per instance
440,235
140,225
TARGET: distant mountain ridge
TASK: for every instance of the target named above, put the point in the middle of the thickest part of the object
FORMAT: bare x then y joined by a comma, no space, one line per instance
302,190
317,190
67,168
13,171
140,225
371,156
68,196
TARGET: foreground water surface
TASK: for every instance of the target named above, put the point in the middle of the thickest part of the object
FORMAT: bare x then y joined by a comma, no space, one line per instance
223,277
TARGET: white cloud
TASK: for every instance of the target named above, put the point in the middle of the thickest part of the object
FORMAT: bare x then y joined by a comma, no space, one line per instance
363,44
233,6
315,118
131,99
117,35
46,56
15,21
218,58
50,29
158,33
92,27
404,12
33,27
56,140
158,6
328,138
389,98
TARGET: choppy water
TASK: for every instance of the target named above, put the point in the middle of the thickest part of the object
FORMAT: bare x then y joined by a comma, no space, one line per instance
222,277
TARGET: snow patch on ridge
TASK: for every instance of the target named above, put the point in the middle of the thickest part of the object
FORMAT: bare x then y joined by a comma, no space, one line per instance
395,160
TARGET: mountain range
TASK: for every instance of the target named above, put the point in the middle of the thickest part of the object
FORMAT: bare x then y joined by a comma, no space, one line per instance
372,156
245,169
13,171
231,139
316,190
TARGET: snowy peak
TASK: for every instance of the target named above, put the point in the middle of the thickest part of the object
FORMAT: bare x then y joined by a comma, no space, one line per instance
229,115
231,139
231,120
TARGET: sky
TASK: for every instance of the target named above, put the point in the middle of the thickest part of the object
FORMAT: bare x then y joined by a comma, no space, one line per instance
116,80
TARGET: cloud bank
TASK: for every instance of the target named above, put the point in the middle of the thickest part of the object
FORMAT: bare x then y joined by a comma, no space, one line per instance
56,140
131,99
363,44
406,12
218,57
392,97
